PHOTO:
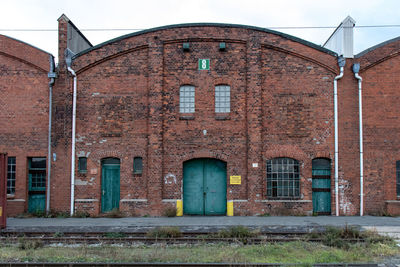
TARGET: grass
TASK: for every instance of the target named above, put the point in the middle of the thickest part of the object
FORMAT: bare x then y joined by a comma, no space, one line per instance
306,253
165,232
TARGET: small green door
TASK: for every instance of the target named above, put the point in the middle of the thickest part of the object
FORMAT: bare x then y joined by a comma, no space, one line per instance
110,184
36,185
204,187
321,186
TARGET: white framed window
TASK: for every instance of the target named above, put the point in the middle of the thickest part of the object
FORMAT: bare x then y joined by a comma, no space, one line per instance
222,99
186,99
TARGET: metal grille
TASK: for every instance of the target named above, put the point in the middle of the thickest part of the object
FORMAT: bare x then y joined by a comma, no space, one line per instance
222,98
82,164
398,177
11,175
186,99
283,179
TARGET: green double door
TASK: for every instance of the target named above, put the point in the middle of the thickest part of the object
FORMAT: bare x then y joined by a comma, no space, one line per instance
110,184
321,186
204,187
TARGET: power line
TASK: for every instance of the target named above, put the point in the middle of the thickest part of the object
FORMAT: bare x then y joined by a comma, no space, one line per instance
274,28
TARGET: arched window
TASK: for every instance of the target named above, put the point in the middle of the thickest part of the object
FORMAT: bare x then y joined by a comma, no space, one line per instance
186,99
222,99
283,178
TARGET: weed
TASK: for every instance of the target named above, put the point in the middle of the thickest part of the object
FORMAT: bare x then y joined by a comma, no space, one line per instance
238,231
169,212
165,232
115,235
81,214
58,234
114,213
24,244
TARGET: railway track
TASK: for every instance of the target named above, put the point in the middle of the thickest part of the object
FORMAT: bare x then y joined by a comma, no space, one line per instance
141,238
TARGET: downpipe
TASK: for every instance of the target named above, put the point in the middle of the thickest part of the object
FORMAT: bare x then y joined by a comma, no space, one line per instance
356,69
341,63
73,143
52,75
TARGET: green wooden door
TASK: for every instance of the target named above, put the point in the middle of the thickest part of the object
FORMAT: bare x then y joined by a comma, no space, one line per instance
110,184
321,186
36,185
204,187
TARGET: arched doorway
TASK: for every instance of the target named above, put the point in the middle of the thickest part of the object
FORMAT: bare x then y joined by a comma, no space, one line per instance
110,184
204,187
321,186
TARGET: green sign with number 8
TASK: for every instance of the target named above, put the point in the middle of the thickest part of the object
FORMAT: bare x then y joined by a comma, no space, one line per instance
204,64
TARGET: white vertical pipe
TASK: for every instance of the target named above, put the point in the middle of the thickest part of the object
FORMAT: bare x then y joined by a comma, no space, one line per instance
336,139
73,143
358,77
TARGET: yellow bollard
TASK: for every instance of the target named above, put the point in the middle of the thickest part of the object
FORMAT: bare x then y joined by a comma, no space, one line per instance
179,207
229,208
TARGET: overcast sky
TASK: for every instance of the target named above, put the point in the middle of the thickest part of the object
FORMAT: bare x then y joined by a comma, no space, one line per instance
145,14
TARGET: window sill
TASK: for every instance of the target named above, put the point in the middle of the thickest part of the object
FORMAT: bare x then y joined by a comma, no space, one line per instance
10,196
186,117
82,173
222,116
137,174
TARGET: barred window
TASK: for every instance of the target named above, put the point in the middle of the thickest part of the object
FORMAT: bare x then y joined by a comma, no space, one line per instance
222,98
283,178
11,175
82,164
138,165
398,177
186,99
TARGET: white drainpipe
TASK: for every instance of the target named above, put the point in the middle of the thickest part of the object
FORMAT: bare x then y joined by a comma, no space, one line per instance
73,143
356,69
341,62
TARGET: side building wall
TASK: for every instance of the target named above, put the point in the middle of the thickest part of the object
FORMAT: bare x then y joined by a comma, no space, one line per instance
24,107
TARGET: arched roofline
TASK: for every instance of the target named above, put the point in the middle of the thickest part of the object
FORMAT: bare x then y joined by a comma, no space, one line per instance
221,25
366,51
24,58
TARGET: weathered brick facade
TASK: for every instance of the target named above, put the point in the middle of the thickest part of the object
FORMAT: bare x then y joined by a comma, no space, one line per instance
281,105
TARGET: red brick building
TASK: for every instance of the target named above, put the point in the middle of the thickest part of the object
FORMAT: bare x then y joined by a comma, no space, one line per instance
205,114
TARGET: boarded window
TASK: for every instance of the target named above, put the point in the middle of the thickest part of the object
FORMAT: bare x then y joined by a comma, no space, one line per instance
222,99
186,99
137,165
283,178
11,175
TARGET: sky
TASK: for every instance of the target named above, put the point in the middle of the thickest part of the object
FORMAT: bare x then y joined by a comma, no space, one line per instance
146,14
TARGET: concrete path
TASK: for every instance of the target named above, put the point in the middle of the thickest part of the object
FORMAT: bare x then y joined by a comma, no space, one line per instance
201,224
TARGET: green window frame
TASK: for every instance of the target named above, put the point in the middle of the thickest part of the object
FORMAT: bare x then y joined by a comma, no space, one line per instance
11,170
37,174
283,178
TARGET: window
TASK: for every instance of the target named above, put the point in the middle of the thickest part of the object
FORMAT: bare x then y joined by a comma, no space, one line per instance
37,174
186,99
283,179
82,164
11,175
398,177
137,165
222,99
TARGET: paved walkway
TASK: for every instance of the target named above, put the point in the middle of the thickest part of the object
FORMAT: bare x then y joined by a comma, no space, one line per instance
388,225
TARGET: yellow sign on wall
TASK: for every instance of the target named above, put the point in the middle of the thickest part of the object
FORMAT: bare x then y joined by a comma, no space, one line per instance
236,179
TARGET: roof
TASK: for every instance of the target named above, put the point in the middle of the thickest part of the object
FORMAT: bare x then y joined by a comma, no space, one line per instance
221,25
362,53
